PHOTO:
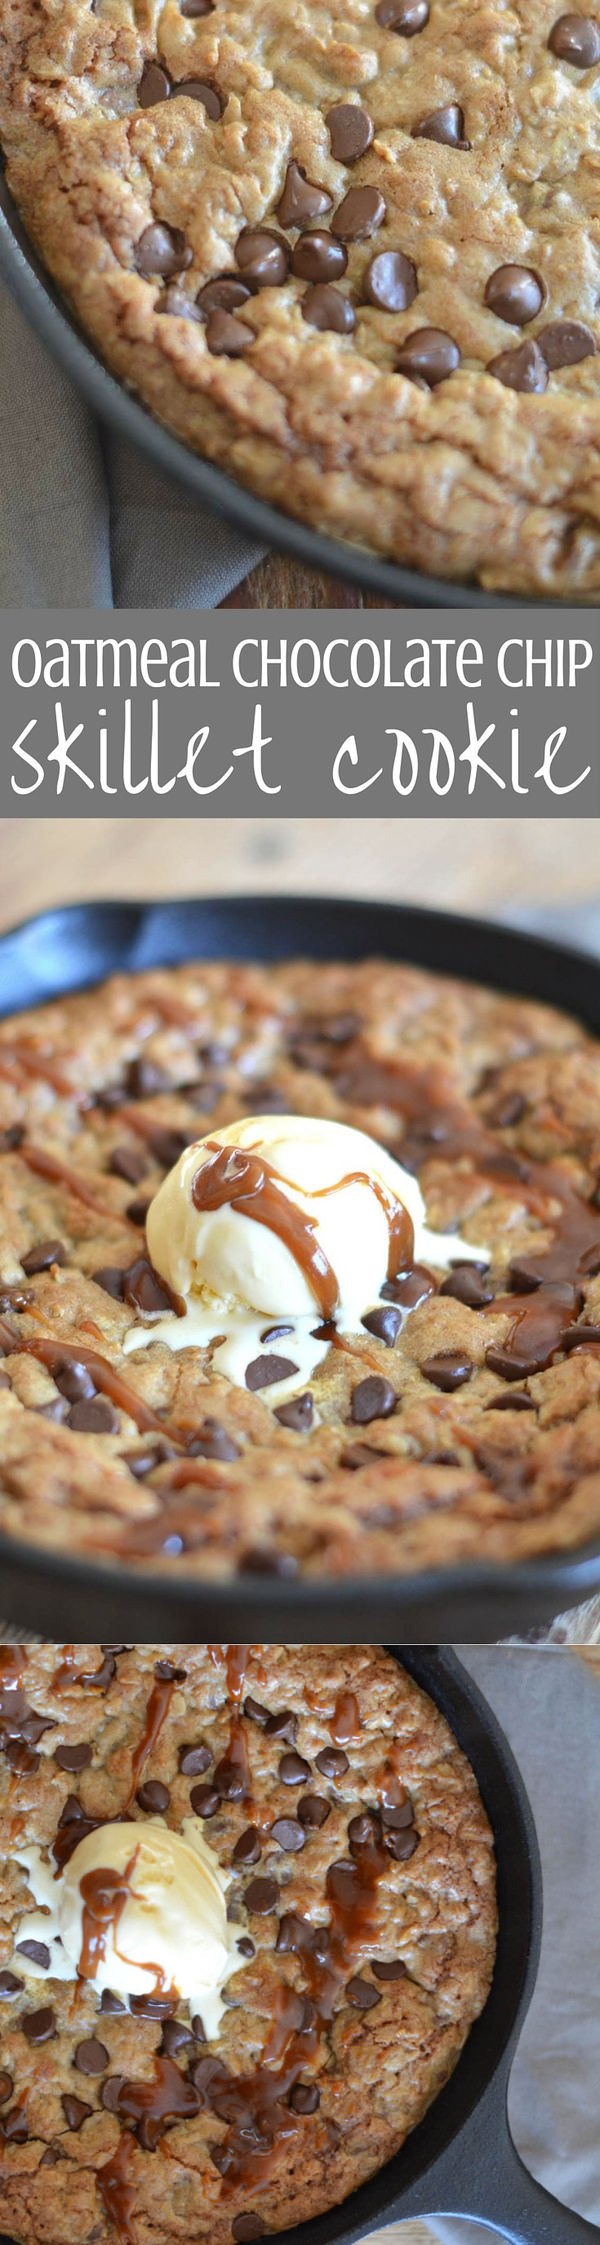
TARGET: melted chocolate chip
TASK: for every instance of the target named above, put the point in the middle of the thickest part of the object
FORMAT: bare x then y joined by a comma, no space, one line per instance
230,1780
266,1371
522,369
447,1370
75,2111
36,1951
305,2097
385,1324
298,1414
200,89
194,1759
374,1398
515,293
42,1258
446,125
392,1970
95,1416
293,1770
263,257
576,39
362,1995
128,1162
401,1844
325,308
405,16
39,2026
160,252
245,2228
283,1724
563,343
467,1284
178,306
213,1441
110,2002
153,1798
248,1848
301,200
74,1381
410,1288
224,294
176,2037
91,2056
255,1712
363,209
350,131
332,1761
9,1986
204,1800
143,1291
261,1897
391,281
6,2088
143,1077
111,1279
428,355
73,1757
317,257
289,1834
110,2092
154,85
195,8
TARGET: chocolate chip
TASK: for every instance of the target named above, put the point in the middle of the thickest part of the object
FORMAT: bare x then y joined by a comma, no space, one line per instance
404,16
298,1414
249,1846
283,1724
74,1381
332,1761
266,1371
394,1970
199,89
194,1759
213,1442
150,2007
41,1258
401,1844
75,2111
522,369
305,2097
175,2037
262,256
255,1712
14,2129
153,1798
563,343
391,281
142,1462
293,1770
167,1673
446,125
516,1400
111,1279
128,1162
289,1834
73,1757
91,2056
204,1800
12,1138
301,200
350,131
467,1284
160,252
167,1146
362,1995
317,257
246,1947
6,2088
261,1897
576,39
385,1324
143,1290
230,1780
324,307
38,2026
246,2227
580,1336
36,1951
110,2002
9,1986
94,1417
364,1830
154,85
398,1819
428,355
143,1077
515,293
448,1370
225,294
374,1398
507,1111
410,1288
111,2091
226,337
361,212
195,8
137,1211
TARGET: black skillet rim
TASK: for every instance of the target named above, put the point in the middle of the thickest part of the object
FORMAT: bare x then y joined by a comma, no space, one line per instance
268,525
462,1604
478,2081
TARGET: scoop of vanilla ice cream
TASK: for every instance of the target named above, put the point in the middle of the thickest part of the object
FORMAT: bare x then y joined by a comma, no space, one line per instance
171,1933
246,1265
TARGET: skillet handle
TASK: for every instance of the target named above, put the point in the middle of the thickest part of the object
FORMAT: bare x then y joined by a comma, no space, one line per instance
481,2178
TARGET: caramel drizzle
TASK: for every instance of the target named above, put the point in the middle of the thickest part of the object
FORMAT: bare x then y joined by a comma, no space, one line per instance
117,2192
104,1894
55,1354
58,1173
156,1714
17,1062
345,1722
246,1181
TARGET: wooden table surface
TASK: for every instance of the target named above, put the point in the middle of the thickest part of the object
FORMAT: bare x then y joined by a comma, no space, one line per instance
477,865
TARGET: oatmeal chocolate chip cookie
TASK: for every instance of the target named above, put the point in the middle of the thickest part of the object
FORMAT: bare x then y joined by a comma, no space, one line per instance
366,1951
461,1421
355,259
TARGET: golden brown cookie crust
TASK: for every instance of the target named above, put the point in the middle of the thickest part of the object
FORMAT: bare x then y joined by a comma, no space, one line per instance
99,1092
470,479
377,2069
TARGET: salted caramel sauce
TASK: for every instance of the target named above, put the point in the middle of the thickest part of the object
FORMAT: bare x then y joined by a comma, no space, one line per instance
345,1722
59,1173
104,1894
156,1713
55,1354
248,1182
118,2194
236,1664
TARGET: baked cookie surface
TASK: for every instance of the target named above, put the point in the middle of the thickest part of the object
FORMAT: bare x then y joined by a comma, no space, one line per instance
466,1426
362,1883
350,251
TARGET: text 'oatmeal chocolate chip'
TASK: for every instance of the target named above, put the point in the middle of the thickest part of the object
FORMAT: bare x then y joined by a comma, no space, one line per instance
576,39
391,281
515,293
324,307
428,355
350,131
302,199
361,212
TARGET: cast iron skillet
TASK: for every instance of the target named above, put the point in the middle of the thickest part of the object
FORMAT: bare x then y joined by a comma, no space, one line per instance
48,313
462,2160
71,948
